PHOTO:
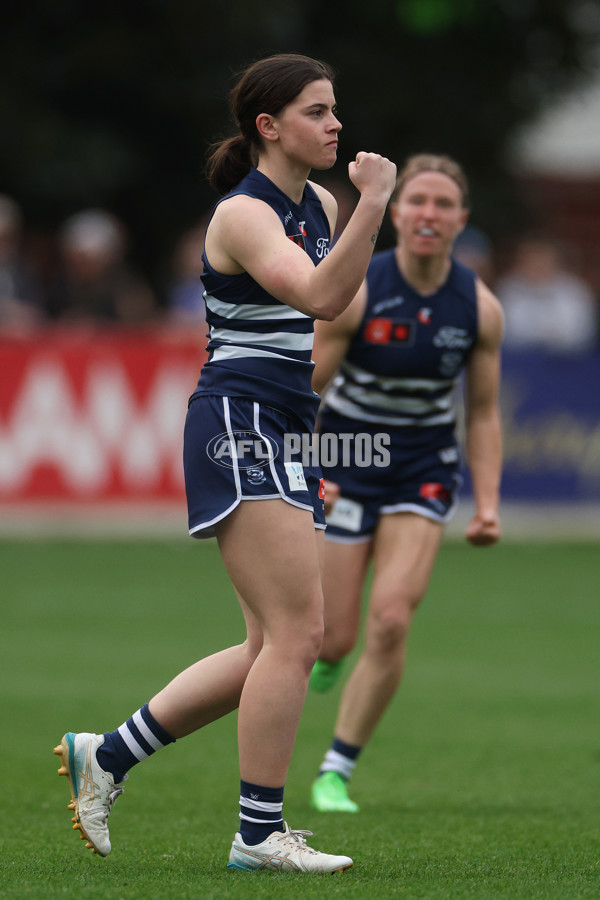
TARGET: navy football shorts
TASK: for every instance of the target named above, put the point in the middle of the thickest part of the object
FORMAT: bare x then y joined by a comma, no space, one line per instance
420,476
233,450
354,521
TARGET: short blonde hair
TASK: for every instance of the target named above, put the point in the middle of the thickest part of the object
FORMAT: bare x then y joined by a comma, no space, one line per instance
431,162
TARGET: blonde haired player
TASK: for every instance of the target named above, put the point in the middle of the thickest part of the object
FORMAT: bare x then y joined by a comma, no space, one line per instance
419,319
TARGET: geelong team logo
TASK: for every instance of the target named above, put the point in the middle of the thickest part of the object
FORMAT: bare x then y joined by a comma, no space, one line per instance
242,450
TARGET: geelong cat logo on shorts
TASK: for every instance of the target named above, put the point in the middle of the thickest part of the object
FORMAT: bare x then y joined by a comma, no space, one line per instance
241,450
256,475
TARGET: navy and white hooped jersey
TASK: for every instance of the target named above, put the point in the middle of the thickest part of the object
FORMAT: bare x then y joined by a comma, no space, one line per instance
259,347
402,364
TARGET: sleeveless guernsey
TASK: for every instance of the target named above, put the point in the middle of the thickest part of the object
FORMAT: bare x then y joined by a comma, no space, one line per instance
403,362
260,348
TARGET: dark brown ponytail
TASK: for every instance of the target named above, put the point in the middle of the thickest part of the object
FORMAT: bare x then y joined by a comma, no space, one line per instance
229,162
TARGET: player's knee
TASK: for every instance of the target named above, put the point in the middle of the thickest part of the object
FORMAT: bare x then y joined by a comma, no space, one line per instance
311,645
305,638
297,646
388,629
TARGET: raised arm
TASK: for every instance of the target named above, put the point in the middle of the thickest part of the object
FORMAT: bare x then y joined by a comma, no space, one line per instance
246,235
483,422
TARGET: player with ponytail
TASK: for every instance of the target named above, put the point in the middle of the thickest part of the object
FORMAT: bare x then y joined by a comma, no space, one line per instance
269,271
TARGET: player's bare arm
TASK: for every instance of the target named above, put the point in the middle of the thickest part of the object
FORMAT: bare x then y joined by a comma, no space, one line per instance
484,429
332,340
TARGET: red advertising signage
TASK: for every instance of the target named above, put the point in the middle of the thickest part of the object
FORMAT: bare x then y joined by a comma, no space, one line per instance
94,416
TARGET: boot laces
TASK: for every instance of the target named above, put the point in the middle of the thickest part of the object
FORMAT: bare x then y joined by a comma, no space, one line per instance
110,801
296,836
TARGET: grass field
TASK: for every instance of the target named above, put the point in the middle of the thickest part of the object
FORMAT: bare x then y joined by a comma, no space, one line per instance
482,781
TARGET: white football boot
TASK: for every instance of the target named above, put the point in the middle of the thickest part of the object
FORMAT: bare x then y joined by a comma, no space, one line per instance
93,791
284,851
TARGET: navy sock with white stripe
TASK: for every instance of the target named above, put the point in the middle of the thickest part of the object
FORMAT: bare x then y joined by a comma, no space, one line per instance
340,758
138,737
260,812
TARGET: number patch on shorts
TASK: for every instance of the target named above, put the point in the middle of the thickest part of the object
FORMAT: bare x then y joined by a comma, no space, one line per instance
346,514
295,474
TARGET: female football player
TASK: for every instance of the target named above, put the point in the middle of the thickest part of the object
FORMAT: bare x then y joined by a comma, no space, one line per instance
269,272
417,321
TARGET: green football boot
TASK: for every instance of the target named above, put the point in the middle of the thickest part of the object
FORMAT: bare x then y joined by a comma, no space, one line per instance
324,675
329,793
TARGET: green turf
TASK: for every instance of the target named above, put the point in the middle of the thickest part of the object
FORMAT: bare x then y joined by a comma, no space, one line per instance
482,780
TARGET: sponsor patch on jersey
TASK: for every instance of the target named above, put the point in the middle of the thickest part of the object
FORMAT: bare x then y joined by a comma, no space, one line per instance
389,331
295,474
387,304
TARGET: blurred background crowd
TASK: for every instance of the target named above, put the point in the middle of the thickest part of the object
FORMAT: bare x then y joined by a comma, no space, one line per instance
108,114
84,275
